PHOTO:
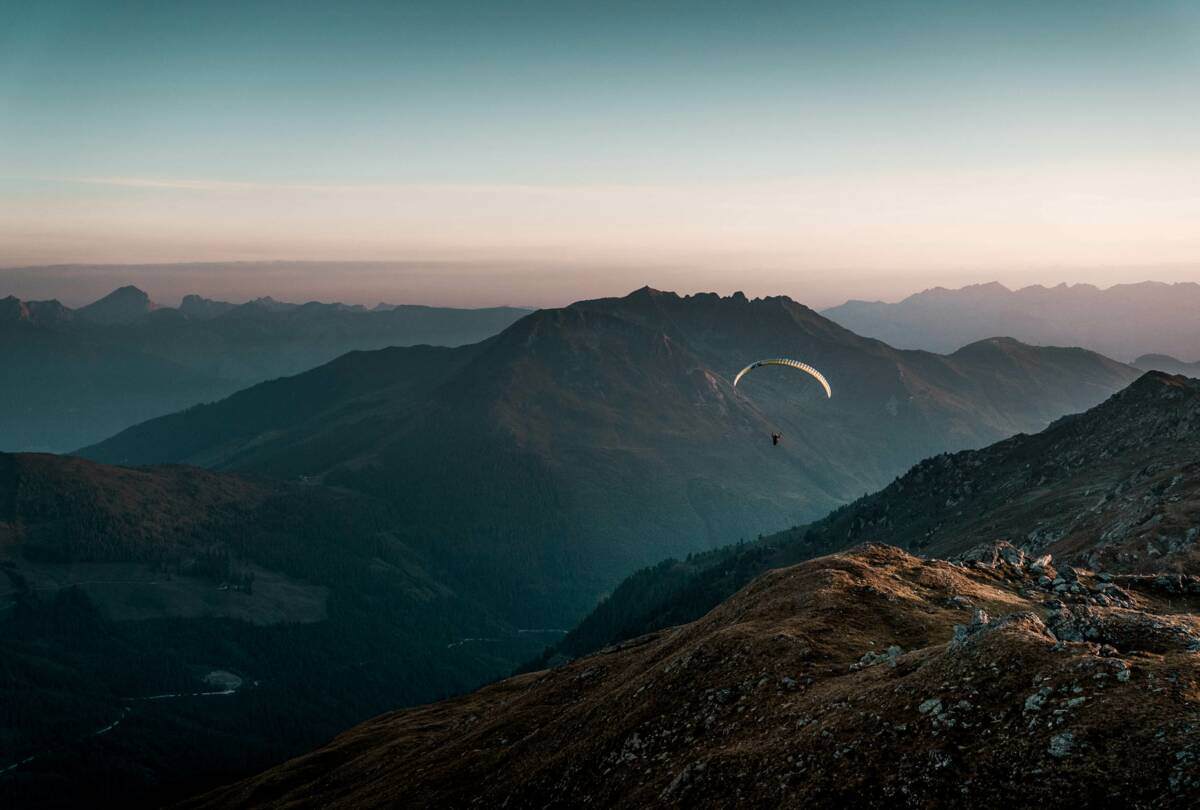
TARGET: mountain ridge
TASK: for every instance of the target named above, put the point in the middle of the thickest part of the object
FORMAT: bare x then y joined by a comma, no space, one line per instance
124,359
941,319
1168,364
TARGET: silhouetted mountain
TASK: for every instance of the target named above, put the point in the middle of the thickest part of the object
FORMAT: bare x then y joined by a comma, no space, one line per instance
199,308
1115,488
127,595
866,679
121,306
265,304
74,377
41,313
1168,364
583,442
64,382
1123,321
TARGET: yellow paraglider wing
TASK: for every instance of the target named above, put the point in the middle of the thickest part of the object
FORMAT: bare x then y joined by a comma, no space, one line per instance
783,361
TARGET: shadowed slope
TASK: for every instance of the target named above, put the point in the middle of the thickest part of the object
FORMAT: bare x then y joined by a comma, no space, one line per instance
123,590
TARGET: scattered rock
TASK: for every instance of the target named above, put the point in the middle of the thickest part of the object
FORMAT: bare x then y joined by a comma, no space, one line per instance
1061,745
872,658
1035,701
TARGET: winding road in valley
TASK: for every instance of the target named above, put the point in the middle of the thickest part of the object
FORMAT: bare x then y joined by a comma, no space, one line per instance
124,713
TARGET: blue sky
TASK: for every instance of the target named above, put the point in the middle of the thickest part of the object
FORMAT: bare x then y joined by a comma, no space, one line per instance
886,139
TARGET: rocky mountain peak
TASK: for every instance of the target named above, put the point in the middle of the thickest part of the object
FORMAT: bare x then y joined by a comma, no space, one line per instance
42,313
13,309
122,305
200,308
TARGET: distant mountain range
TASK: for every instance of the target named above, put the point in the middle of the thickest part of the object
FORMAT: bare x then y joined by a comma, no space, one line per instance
584,442
1168,364
73,377
1124,321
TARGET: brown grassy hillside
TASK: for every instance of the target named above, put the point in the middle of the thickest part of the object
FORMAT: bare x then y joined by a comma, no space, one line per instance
870,678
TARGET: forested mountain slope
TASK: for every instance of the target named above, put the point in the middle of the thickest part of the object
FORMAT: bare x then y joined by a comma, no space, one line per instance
167,628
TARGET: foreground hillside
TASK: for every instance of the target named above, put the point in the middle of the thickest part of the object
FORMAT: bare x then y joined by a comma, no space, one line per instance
74,376
164,629
870,678
584,442
1122,321
1116,487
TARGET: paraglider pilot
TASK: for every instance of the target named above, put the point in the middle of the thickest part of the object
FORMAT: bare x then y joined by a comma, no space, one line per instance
784,361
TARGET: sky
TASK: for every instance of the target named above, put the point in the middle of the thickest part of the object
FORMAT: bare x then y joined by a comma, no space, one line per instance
518,152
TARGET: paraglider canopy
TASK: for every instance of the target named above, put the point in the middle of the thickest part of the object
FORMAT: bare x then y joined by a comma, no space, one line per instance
783,361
